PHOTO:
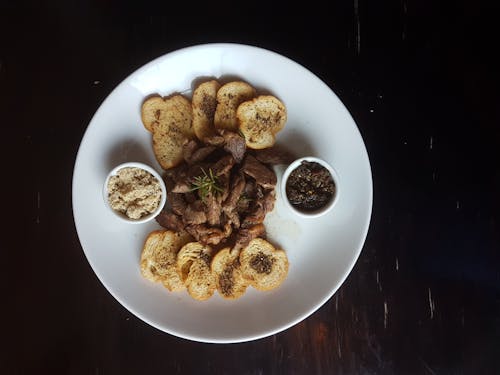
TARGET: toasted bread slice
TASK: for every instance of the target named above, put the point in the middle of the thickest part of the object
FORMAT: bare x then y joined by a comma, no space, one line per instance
168,146
229,280
262,265
229,97
193,265
158,258
260,119
171,122
172,109
151,112
204,103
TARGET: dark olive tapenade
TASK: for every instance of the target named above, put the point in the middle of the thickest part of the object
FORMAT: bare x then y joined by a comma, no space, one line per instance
310,186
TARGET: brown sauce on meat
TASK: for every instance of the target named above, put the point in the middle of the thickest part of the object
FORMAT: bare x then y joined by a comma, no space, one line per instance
310,186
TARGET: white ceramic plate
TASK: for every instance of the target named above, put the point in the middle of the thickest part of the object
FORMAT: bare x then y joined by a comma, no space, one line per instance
321,251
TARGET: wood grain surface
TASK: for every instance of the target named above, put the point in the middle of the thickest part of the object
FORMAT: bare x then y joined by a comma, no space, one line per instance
424,296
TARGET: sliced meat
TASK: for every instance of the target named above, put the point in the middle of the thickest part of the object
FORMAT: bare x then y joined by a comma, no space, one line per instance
213,210
176,175
169,182
223,165
190,197
188,150
243,205
206,235
214,140
247,197
259,192
214,238
182,187
171,221
262,174
274,155
236,190
201,154
223,183
234,144
255,217
250,188
197,170
176,200
246,235
267,201
177,203
227,229
237,211
260,207
195,213
233,219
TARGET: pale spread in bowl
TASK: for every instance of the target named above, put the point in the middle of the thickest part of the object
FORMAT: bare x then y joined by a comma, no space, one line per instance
134,192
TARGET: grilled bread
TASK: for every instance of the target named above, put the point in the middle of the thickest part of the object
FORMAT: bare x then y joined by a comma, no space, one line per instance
171,122
204,103
193,266
158,258
260,119
229,280
262,265
229,97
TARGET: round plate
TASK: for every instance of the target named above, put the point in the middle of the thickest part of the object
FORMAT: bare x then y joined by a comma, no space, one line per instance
321,251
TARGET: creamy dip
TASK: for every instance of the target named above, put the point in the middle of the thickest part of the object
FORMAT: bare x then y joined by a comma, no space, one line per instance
134,192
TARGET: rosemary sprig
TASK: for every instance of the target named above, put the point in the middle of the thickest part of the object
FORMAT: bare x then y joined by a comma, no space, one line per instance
206,184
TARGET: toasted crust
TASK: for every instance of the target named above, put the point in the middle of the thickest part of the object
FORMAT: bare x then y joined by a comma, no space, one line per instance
204,103
150,113
260,119
229,97
158,258
262,265
167,147
175,109
193,266
229,280
171,122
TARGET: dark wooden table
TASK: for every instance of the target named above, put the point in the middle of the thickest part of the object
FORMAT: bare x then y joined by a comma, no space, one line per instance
424,296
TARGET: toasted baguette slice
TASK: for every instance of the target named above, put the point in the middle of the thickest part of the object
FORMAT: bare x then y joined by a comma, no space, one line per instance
260,119
193,265
151,112
158,258
229,97
172,109
229,280
262,265
204,103
168,144
171,122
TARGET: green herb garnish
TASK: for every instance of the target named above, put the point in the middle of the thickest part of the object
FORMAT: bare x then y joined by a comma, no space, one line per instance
206,184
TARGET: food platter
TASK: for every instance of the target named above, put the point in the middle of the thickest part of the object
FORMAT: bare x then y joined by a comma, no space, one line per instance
322,251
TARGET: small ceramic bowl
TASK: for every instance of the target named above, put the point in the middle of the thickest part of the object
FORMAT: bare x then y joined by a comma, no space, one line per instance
121,215
313,213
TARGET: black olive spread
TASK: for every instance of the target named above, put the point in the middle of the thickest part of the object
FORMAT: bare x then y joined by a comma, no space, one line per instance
310,186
